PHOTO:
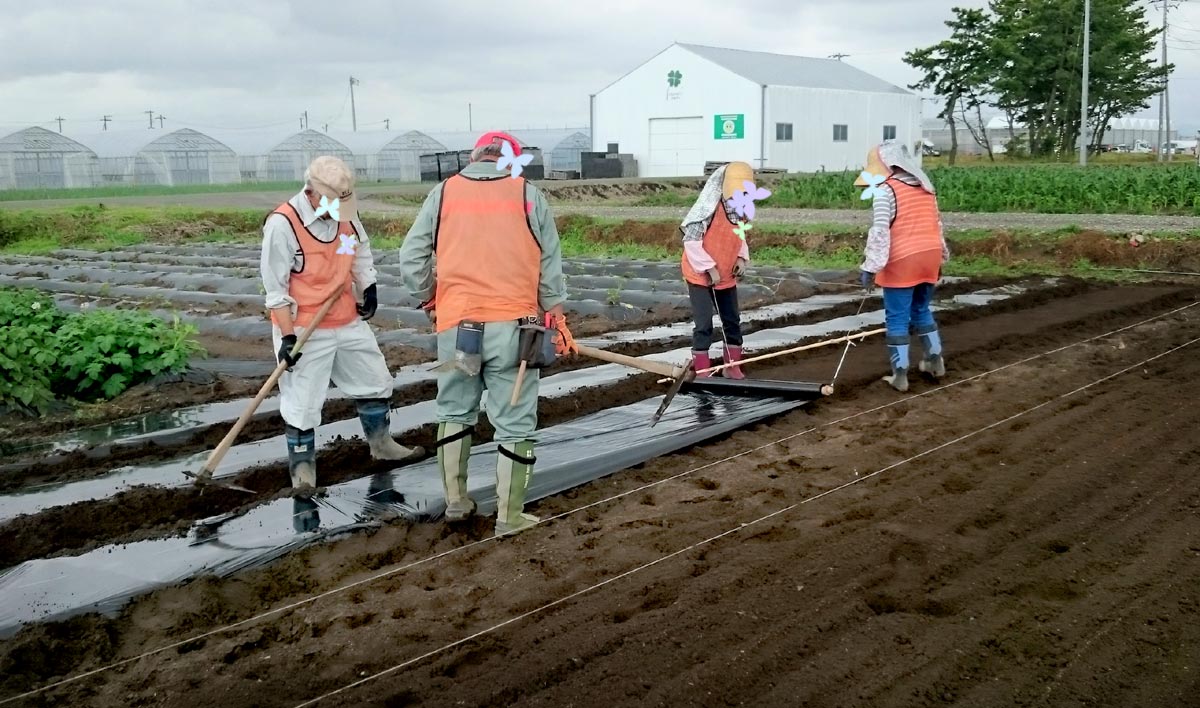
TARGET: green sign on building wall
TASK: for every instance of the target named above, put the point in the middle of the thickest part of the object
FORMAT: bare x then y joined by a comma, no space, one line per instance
729,127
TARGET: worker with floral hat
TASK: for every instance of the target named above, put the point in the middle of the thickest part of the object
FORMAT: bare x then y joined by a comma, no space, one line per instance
715,256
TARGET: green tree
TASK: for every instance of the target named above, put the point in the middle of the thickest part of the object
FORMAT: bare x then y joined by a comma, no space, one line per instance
957,70
1037,50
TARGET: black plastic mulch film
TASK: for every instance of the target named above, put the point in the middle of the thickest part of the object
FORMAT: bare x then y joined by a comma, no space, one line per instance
569,455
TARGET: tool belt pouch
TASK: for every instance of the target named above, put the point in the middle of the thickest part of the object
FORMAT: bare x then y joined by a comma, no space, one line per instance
536,344
468,350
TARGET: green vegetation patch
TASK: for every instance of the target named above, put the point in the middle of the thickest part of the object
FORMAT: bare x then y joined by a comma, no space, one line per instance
47,354
1045,189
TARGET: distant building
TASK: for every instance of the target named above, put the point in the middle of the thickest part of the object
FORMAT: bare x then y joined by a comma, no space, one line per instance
1129,132
692,104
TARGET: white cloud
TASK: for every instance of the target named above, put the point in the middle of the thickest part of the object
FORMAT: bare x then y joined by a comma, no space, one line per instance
519,63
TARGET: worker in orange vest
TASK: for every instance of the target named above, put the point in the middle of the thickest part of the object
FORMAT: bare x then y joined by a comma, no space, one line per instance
315,247
498,277
904,255
715,255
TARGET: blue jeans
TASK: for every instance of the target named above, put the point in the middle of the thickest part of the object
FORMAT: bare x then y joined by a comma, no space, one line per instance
907,309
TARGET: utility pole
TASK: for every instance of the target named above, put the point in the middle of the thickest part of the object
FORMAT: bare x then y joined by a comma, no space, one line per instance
326,127
151,114
60,120
387,123
161,118
1087,55
1162,97
353,115
105,121
304,121
839,57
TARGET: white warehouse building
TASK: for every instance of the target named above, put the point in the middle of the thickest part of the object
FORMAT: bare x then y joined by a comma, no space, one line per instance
693,104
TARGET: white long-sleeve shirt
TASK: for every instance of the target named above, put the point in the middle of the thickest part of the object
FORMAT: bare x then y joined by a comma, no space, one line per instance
282,254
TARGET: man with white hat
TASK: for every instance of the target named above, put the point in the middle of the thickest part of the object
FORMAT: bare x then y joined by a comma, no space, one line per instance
904,255
316,248
499,273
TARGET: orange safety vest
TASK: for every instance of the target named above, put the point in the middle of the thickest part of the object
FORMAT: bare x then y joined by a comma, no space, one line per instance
489,262
723,244
915,255
325,268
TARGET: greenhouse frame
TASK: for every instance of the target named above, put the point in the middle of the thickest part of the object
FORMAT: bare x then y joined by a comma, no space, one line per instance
36,158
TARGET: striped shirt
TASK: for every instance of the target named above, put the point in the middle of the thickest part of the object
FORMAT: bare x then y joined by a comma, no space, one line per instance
879,238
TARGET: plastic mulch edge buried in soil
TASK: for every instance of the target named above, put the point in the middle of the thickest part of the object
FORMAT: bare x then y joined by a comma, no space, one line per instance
410,418
569,455
162,426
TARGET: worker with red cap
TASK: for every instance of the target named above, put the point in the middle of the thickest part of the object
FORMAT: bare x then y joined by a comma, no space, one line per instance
499,267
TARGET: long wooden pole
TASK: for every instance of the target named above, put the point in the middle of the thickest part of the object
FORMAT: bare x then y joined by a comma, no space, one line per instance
806,347
654,367
218,453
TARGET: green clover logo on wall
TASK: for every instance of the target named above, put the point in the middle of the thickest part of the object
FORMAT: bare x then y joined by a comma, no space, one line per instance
674,78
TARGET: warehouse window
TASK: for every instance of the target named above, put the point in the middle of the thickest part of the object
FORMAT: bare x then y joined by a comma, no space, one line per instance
889,132
783,132
841,133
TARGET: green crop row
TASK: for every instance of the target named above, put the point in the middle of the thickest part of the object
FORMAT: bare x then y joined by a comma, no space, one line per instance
1045,189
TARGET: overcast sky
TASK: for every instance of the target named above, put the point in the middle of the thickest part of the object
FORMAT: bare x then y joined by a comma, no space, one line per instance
522,63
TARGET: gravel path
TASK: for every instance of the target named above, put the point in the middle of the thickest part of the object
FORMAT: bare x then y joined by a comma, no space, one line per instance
267,200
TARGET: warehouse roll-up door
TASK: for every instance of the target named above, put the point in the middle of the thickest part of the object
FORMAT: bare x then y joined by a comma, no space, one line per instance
676,147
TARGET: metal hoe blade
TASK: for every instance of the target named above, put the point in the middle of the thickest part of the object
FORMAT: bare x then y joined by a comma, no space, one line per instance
208,481
689,374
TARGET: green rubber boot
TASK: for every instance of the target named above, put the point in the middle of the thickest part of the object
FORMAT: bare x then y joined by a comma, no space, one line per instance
453,453
514,468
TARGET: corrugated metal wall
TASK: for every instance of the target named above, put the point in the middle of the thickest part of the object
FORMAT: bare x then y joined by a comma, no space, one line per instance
813,113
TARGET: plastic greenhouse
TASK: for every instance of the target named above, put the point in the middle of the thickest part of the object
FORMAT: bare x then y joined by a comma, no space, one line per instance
380,155
565,155
38,158
287,160
155,157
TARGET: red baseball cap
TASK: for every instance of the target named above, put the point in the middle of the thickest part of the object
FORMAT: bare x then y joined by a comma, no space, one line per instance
496,136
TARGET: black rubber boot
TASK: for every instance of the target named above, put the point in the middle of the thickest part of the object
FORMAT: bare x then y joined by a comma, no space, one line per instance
302,457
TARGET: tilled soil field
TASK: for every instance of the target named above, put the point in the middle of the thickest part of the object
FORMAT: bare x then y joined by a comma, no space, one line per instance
1024,534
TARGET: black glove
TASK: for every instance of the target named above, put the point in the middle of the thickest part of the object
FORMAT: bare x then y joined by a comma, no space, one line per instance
370,303
867,280
285,351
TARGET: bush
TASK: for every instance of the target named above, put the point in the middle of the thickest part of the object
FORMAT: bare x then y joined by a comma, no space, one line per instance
46,353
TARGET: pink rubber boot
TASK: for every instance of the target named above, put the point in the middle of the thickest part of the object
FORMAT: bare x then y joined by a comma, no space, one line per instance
733,354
